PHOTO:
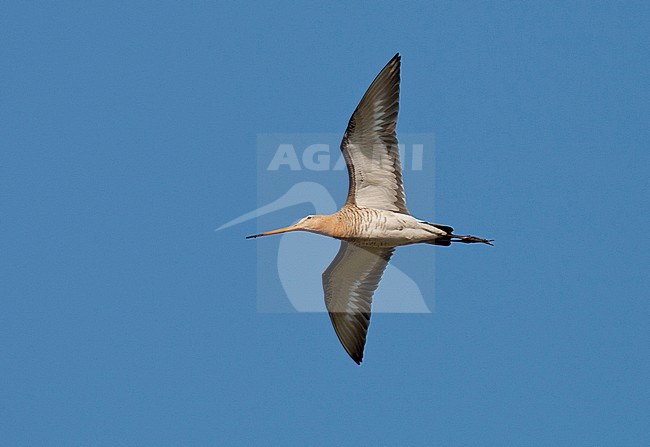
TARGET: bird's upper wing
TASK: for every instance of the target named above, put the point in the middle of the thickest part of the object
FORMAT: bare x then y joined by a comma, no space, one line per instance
349,283
369,145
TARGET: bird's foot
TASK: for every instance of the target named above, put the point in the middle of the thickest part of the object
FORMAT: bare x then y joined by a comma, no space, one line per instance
470,239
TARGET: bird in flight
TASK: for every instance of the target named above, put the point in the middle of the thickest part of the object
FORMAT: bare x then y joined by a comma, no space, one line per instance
374,219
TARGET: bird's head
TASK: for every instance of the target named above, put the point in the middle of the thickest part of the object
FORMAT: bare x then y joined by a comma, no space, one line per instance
315,223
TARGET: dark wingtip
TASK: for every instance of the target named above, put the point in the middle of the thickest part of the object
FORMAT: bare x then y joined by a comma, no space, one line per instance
356,356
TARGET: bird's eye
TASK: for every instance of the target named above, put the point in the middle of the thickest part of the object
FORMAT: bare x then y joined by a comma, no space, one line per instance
309,217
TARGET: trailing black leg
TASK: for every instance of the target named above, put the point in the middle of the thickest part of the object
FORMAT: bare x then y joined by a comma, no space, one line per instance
470,239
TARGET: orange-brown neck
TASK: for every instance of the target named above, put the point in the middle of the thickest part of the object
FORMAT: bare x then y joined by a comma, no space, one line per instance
326,224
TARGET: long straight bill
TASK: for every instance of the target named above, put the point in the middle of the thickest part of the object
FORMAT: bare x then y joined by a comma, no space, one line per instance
278,231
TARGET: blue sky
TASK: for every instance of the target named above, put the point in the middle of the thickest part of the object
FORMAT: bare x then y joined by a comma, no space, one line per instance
128,134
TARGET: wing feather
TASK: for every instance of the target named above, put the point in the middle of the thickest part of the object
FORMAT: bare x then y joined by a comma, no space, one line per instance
349,284
370,148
